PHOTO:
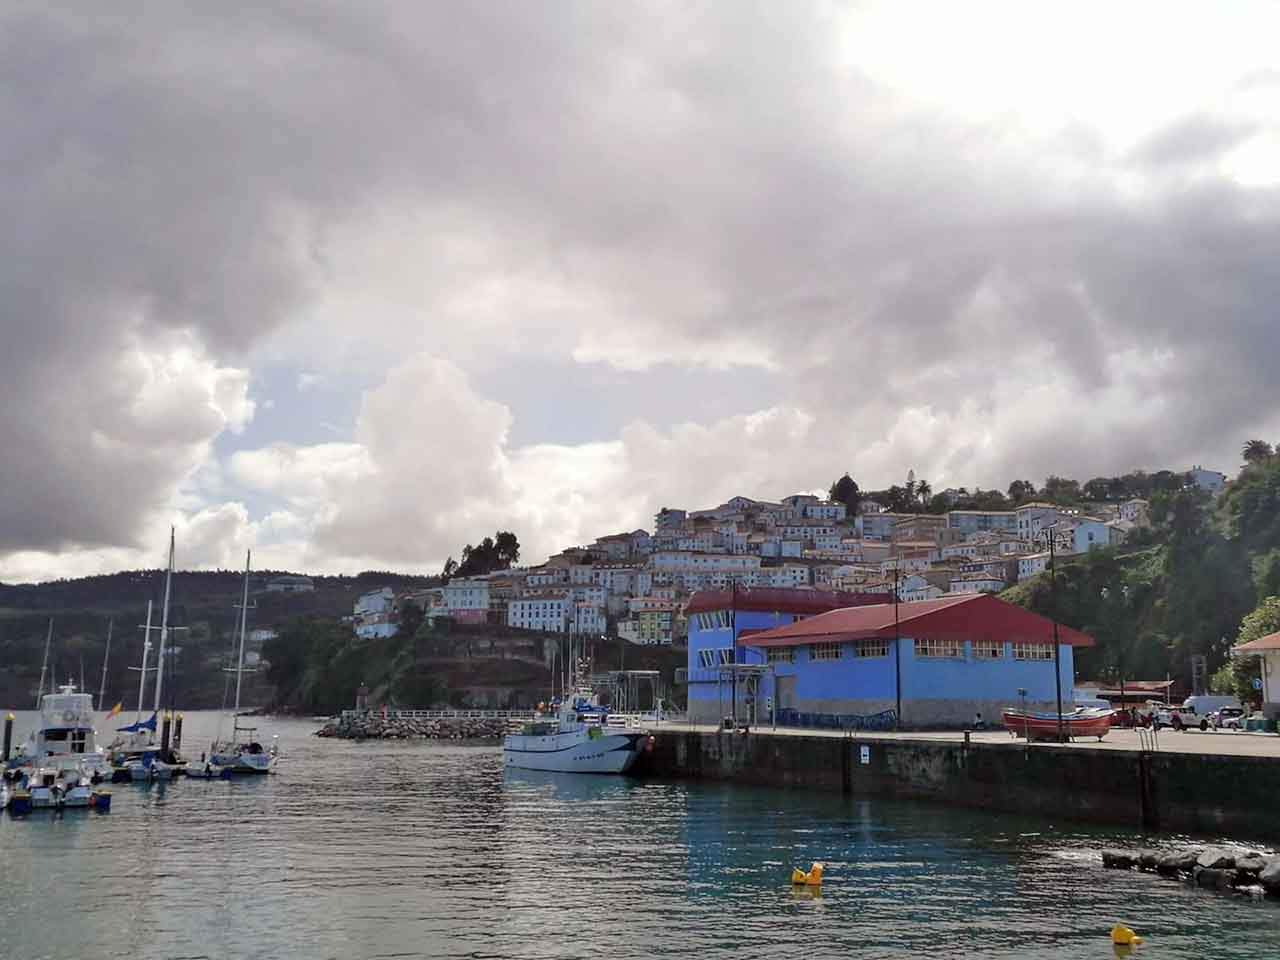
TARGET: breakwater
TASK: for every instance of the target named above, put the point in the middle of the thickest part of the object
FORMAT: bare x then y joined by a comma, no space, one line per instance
374,726
1155,791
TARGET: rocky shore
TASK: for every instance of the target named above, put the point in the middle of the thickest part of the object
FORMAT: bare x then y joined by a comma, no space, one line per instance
372,726
1216,868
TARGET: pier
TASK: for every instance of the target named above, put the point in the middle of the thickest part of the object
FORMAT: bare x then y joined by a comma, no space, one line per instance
1191,782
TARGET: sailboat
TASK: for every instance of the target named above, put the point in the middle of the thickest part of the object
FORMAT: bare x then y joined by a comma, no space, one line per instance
243,753
138,755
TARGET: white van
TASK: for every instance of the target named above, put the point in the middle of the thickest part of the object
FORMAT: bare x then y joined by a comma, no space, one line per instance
1205,704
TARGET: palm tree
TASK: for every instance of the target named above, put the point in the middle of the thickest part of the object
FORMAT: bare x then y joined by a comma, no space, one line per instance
1256,451
924,490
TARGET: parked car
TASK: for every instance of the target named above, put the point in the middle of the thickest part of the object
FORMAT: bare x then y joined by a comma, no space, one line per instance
1227,718
1172,715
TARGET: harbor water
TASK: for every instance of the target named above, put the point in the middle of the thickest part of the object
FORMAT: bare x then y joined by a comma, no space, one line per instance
419,849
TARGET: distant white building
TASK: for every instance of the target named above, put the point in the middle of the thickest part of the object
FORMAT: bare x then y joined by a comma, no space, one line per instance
1210,481
1034,517
291,584
375,602
1032,564
466,599
976,583
548,612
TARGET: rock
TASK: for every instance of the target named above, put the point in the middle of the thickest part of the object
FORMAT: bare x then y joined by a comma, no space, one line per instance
1118,859
1216,858
1147,859
1215,878
1176,863
1250,865
1269,877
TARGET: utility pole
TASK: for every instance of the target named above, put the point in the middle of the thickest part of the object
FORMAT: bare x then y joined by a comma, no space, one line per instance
897,653
1053,600
733,625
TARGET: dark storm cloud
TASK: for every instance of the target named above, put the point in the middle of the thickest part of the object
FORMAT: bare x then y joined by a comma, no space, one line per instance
712,173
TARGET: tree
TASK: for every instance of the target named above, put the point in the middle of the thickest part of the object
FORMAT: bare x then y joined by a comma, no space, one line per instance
1061,490
1266,575
845,490
1098,489
1256,451
450,567
1238,673
508,547
1021,491
924,490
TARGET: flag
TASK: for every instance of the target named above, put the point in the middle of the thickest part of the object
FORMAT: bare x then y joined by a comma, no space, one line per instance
115,711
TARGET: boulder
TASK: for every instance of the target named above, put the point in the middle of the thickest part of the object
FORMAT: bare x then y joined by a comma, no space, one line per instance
1216,858
1215,879
1250,865
1118,859
1269,876
1147,859
1176,863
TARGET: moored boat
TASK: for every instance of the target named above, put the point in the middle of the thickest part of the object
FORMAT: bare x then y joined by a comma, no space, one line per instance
1081,722
577,739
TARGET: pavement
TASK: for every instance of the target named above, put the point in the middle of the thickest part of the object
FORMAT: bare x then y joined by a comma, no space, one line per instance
1227,743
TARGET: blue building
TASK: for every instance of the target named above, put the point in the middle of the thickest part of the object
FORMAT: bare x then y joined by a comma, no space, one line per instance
954,657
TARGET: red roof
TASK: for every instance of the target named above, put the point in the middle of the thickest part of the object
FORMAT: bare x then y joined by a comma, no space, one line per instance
777,600
969,616
1270,642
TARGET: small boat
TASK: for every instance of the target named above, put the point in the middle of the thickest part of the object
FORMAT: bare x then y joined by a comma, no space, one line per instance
1081,722
578,739
64,786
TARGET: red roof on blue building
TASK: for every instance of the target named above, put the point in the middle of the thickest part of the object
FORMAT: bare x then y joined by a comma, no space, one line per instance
778,600
968,616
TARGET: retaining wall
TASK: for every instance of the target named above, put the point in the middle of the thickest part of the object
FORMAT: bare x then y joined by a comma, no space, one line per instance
1194,793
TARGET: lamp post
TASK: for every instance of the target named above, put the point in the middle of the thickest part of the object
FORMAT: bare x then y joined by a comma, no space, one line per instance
1053,606
897,655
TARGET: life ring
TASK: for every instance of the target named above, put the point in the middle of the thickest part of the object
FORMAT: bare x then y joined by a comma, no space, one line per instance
69,716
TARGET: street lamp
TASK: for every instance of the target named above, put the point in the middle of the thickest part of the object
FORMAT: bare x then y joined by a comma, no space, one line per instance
1119,652
1053,603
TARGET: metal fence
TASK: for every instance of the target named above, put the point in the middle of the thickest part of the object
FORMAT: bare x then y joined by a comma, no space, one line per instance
884,720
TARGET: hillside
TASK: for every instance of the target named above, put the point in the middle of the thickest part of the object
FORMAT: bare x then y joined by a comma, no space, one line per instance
1179,590
201,602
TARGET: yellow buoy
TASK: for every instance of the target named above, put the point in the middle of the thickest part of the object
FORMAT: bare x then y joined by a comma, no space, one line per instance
1123,936
811,878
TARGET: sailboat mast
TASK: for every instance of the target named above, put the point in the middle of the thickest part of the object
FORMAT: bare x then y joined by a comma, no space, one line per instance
142,675
244,615
106,657
44,664
164,623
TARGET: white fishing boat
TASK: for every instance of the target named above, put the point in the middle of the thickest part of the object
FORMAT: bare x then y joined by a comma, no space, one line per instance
244,752
578,738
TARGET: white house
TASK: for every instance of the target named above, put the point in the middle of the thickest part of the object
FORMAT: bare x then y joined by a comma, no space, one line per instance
1208,480
549,612
1034,517
375,602
976,583
1032,564
467,599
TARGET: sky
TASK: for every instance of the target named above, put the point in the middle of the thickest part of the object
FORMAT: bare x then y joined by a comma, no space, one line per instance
355,284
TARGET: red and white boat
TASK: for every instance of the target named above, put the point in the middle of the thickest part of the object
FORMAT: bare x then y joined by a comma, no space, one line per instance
1081,722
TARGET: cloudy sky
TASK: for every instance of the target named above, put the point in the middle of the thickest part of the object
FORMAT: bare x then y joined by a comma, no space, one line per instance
353,284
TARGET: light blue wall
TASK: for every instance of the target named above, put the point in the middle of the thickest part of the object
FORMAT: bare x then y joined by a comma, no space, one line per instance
702,682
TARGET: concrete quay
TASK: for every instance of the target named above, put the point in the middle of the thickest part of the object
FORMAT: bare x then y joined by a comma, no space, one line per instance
1220,784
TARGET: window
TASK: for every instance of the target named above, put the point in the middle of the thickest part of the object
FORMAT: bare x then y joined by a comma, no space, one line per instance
780,655
1033,651
824,651
936,648
871,648
988,650
707,658
725,655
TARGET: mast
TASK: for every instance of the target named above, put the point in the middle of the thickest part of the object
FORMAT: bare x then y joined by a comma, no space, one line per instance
164,624
44,664
142,670
244,615
102,690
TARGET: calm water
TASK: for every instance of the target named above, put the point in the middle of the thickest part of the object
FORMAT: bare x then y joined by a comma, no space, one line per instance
422,850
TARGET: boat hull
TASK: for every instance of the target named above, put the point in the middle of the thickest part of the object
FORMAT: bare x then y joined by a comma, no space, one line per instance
1044,726
575,752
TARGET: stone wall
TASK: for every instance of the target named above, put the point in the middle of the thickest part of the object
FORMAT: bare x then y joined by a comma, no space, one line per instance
1158,791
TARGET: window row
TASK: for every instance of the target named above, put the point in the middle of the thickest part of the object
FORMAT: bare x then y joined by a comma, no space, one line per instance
716,620
719,657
